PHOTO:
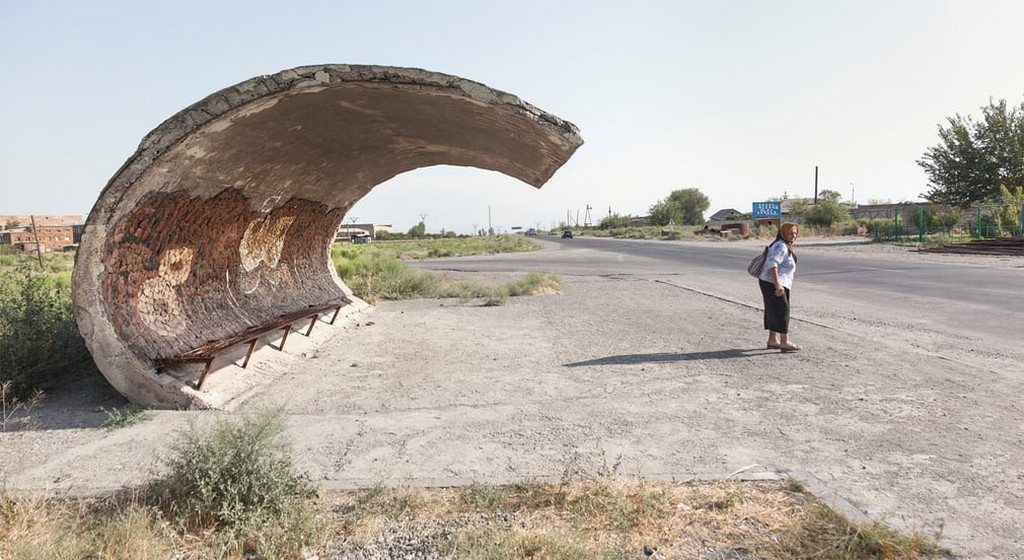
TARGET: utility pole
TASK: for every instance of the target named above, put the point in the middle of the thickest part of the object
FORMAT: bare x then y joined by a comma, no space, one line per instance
351,228
39,247
815,184
586,217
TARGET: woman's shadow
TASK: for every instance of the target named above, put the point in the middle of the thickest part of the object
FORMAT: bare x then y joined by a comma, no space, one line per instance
667,357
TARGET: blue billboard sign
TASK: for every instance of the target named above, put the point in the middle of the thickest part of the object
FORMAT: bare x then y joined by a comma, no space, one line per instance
767,209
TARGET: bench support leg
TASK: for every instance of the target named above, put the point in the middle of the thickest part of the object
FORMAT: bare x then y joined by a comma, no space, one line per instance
335,316
286,330
252,346
202,377
312,321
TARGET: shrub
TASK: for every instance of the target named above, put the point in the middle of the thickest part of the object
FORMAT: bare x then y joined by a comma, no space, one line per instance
40,346
615,221
376,272
236,475
375,275
826,213
870,225
648,232
771,231
949,218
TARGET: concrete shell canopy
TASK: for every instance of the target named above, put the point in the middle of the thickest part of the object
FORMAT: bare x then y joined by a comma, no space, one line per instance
223,218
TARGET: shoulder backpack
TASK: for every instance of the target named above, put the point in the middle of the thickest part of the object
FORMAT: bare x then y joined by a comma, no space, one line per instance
757,263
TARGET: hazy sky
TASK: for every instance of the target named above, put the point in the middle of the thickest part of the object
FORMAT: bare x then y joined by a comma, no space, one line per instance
740,99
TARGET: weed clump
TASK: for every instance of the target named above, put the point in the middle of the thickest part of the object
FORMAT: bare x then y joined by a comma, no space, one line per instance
40,346
238,478
377,272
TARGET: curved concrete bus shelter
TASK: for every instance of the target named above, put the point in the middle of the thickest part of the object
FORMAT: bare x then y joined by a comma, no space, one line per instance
217,231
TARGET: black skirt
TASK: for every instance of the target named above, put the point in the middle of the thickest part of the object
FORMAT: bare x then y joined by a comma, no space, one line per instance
776,308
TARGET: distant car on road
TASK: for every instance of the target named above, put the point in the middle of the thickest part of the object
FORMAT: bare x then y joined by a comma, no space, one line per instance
531,231
567,234
360,239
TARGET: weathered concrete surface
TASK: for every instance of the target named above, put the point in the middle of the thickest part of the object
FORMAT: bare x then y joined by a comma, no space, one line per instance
224,216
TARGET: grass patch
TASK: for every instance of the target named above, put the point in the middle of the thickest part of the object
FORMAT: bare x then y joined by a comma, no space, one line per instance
40,347
112,527
127,415
16,413
672,233
376,271
614,518
592,518
231,492
822,532
237,474
53,263
414,249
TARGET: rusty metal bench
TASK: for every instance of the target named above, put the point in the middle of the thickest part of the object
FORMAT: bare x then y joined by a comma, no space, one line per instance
209,351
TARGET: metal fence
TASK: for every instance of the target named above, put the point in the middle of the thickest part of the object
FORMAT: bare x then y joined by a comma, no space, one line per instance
981,226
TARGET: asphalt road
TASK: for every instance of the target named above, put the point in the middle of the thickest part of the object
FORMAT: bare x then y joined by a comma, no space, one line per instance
976,301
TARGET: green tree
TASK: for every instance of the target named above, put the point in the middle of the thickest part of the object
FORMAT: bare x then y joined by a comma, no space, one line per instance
615,221
829,195
11,224
418,230
826,212
948,218
973,158
40,347
1009,214
684,206
798,207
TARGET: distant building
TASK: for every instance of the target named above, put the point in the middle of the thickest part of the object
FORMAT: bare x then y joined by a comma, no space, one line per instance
47,235
349,231
724,214
890,211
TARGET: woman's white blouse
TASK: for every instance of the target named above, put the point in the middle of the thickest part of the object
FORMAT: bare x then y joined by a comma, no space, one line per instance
779,257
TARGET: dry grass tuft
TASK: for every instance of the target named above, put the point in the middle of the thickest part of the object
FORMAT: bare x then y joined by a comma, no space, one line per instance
608,517
37,526
604,517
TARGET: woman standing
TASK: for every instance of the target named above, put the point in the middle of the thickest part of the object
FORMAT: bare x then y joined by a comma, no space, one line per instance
776,280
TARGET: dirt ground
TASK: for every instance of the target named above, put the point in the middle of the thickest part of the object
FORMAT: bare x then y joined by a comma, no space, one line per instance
882,416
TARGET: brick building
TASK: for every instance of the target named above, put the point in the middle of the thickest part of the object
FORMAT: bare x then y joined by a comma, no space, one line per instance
56,232
49,236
